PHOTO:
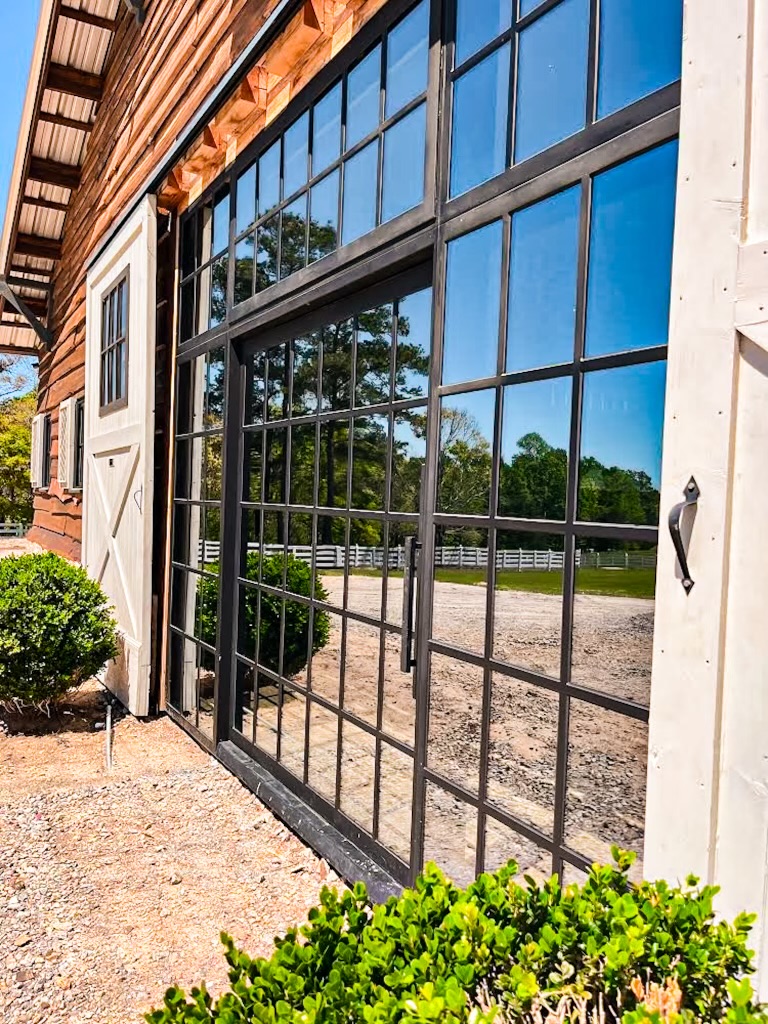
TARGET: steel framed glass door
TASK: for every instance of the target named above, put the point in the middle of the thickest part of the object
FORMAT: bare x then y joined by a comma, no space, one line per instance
334,444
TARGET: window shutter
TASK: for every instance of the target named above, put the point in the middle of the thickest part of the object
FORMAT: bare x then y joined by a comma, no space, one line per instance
36,476
66,443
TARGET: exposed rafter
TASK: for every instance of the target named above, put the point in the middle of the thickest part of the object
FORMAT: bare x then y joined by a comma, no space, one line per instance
75,14
52,173
75,82
36,245
45,204
24,308
65,122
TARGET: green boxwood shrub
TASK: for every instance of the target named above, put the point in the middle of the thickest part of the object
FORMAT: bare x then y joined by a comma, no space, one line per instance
298,581
498,951
56,629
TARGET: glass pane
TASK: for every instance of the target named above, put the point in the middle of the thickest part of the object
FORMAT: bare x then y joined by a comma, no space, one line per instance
252,482
218,308
246,199
213,468
267,713
414,345
460,592
303,465
395,801
522,751
274,465
396,536
450,834
244,263
613,617
243,709
363,97
293,242
605,800
190,257
360,177
255,388
361,670
477,23
466,443
640,50
188,309
502,845
622,420
324,217
206,682
542,282
365,561
305,374
536,428
326,661
326,130
630,254
216,364
404,146
292,727
337,365
277,383
269,179
220,225
323,746
455,720
407,54
330,558
409,454
334,461
374,348
266,253
472,299
295,155
358,766
248,628
552,78
369,462
480,118
398,710
184,677
528,607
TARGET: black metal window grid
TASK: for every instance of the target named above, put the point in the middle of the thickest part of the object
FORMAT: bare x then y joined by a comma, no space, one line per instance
205,266
114,347
77,469
46,458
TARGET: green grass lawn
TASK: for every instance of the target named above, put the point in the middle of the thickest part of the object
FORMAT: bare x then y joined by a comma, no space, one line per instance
608,582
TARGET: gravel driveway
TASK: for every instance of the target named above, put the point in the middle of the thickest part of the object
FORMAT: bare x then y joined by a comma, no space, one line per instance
113,885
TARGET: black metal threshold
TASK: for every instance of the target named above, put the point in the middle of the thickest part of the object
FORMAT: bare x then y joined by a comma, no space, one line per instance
346,859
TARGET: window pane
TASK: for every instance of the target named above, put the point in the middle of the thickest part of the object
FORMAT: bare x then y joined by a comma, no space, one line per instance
480,114
552,78
640,50
246,198
324,217
274,465
461,588
477,23
323,744
122,319
622,422
455,714
360,177
450,834
303,465
409,453
189,254
187,312
374,348
414,345
361,670
334,461
466,443
326,130
277,383
358,766
542,282
404,146
244,269
266,253
337,365
305,367
295,155
503,844
395,801
220,225
369,462
363,97
216,360
407,53
536,429
473,287
218,307
269,179
293,242
630,256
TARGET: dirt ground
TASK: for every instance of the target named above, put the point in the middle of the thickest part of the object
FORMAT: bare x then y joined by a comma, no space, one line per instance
113,884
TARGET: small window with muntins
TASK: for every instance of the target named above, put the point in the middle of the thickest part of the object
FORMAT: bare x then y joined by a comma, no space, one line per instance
114,348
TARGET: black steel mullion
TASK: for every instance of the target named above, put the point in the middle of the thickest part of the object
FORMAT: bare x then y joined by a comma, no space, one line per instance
592,60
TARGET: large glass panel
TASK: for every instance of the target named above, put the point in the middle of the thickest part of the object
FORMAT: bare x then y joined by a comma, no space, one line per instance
359,205
404,146
214,412
326,130
395,801
613,611
324,217
334,463
293,242
477,23
363,97
480,118
605,800
361,670
630,254
640,50
450,834
337,365
358,767
460,590
244,265
542,282
552,78
369,462
414,345
455,720
466,444
220,223
409,455
246,199
218,304
536,428
407,53
622,420
269,179
472,299
374,356
268,238
528,606
306,357
295,155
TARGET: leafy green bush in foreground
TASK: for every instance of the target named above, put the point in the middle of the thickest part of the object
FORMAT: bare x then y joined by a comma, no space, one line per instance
606,951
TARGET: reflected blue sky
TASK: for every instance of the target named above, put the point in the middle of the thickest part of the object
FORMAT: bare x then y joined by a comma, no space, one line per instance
542,407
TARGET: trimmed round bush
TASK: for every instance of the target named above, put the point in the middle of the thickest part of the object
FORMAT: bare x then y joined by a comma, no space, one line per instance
56,628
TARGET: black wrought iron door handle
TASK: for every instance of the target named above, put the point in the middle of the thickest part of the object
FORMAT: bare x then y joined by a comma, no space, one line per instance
691,493
407,661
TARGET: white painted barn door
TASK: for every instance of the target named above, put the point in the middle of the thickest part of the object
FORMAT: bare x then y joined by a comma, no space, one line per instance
118,471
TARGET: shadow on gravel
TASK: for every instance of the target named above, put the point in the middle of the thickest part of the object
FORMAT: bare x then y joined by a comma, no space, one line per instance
82,710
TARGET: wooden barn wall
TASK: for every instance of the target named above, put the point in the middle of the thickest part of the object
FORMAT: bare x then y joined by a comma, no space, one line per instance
157,76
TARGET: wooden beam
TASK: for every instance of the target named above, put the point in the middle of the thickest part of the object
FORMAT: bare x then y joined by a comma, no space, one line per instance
23,282
22,268
36,245
45,204
65,122
87,18
75,82
30,309
23,326
53,173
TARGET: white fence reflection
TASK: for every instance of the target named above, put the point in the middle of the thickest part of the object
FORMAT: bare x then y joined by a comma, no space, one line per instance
358,556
